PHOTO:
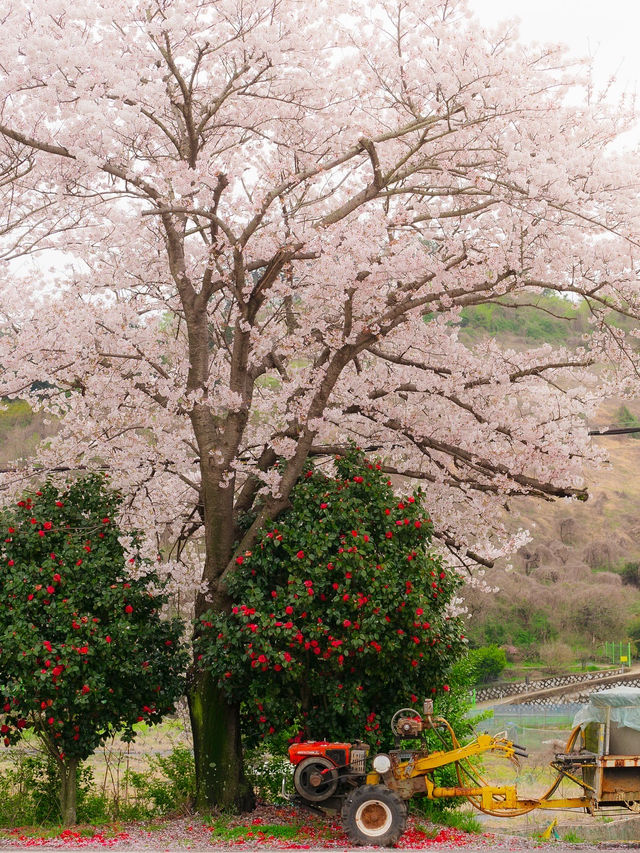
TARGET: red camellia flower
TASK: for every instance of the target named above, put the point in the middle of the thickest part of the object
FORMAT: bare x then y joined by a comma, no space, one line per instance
240,560
288,610
105,521
446,687
107,639
300,555
389,534
51,589
128,609
57,578
85,688
47,525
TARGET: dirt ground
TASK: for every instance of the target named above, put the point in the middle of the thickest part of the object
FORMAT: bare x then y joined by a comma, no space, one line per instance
257,831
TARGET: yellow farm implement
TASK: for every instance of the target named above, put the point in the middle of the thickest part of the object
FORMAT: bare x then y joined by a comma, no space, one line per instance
373,803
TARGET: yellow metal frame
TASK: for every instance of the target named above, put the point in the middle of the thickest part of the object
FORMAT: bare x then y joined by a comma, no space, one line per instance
502,800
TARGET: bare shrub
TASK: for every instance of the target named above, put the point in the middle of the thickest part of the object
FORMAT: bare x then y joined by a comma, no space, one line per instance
556,656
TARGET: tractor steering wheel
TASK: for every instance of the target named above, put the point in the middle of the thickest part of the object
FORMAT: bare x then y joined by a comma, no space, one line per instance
403,712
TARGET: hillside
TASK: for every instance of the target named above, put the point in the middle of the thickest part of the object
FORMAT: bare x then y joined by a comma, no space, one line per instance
577,583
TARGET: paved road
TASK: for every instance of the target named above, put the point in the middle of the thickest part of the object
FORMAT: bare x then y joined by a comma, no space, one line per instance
605,681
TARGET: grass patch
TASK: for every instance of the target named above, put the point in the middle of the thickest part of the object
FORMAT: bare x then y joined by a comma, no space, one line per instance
156,826
464,821
224,830
429,832
49,832
572,837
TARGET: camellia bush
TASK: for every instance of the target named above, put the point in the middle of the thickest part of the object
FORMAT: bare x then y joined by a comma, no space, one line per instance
84,650
341,614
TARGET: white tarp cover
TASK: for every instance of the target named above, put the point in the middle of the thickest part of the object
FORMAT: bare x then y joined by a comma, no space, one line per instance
624,705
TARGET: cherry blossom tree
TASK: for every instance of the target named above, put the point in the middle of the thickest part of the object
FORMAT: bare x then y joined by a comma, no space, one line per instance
266,217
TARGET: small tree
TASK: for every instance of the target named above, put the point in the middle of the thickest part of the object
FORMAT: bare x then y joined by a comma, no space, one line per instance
341,614
84,650
487,662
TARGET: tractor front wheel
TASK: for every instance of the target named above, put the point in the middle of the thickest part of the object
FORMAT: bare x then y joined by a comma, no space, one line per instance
374,814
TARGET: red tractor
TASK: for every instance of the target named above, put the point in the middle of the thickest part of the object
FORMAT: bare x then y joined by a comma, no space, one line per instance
372,803
322,768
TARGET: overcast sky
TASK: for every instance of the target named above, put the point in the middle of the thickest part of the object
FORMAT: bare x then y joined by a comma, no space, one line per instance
607,30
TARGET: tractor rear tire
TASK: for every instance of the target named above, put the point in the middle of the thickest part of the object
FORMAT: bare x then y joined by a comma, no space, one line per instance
374,815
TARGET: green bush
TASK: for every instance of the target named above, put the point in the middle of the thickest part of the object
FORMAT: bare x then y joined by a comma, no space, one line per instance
340,612
86,652
29,793
14,413
625,418
487,662
270,774
454,707
634,630
169,784
630,574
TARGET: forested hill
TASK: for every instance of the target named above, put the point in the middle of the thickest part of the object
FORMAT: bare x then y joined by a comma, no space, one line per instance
539,319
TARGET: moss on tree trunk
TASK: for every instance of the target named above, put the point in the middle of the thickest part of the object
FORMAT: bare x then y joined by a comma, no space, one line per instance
215,724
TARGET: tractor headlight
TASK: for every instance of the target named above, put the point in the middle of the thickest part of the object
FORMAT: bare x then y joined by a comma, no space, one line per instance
381,763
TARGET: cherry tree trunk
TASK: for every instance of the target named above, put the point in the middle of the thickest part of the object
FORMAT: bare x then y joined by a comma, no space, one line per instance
215,722
217,747
68,789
